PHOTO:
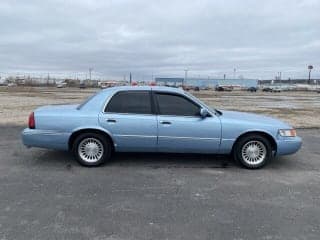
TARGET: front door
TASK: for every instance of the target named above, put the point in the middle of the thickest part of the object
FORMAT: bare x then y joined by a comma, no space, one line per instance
182,129
129,118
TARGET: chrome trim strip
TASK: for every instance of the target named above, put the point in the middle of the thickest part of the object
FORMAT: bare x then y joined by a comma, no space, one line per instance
43,132
139,136
171,137
126,114
288,140
198,138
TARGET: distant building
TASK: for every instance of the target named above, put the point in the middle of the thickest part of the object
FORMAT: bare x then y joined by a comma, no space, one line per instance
170,81
200,82
222,82
288,81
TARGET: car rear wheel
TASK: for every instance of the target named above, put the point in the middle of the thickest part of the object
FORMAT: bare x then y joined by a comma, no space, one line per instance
253,151
91,149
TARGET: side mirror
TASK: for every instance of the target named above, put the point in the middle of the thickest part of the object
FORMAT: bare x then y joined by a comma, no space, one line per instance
204,113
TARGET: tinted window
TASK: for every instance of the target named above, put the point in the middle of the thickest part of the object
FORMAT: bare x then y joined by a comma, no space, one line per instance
130,102
176,105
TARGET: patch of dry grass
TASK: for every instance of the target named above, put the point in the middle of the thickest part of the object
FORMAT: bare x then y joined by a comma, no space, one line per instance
300,109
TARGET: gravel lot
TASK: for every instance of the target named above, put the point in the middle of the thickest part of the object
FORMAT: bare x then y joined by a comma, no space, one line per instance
47,195
300,109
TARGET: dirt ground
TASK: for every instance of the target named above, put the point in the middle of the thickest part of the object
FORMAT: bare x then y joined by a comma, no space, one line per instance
300,109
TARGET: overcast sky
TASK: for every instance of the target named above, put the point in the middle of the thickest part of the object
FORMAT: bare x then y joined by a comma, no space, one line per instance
160,38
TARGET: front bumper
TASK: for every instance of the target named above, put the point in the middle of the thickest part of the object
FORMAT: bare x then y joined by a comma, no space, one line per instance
45,139
286,146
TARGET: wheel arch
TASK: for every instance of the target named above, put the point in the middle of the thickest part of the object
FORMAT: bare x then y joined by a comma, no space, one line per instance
268,136
77,132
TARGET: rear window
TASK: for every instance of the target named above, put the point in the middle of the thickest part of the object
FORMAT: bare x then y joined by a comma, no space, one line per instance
137,102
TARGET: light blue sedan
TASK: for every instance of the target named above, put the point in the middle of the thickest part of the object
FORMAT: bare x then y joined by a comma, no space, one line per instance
156,119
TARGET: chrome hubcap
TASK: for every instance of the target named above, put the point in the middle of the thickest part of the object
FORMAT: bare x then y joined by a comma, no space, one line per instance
90,150
254,152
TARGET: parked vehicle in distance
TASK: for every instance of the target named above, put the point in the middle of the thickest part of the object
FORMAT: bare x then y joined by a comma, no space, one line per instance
3,82
61,85
12,85
196,89
204,88
156,119
103,85
252,89
82,86
186,88
267,89
223,88
277,89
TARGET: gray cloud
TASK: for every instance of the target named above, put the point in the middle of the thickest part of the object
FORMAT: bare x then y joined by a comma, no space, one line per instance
210,38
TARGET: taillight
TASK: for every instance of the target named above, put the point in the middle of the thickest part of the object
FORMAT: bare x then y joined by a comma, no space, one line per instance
32,122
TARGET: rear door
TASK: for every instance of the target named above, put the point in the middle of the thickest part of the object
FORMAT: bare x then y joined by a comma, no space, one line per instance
129,117
182,129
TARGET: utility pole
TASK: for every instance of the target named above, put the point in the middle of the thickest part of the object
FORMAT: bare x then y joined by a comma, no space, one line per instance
90,70
280,78
185,76
310,67
234,73
130,79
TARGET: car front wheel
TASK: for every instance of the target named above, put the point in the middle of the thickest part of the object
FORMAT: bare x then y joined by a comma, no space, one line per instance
91,149
253,151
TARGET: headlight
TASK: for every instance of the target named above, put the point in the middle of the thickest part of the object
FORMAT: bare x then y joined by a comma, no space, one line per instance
288,132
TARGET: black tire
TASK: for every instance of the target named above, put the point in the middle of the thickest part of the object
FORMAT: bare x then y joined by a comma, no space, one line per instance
105,155
245,141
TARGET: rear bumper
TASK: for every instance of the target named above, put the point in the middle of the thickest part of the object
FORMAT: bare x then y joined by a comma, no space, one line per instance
288,146
45,139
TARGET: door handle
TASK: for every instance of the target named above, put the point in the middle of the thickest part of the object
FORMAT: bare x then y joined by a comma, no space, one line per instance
111,121
165,122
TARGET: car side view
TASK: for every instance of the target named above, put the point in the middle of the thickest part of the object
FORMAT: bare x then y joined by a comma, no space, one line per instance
156,119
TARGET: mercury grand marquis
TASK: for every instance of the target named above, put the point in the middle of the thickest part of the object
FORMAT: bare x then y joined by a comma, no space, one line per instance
157,119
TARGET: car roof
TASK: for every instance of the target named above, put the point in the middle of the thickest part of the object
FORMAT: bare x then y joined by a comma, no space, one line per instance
146,88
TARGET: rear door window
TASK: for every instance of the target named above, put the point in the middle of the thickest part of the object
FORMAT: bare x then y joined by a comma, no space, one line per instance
136,102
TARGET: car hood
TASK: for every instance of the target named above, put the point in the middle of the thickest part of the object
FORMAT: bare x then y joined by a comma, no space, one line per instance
255,119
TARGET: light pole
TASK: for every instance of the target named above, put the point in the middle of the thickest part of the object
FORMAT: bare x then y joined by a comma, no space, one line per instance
310,67
185,76
90,70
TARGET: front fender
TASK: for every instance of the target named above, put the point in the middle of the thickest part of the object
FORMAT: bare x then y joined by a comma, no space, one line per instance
229,138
